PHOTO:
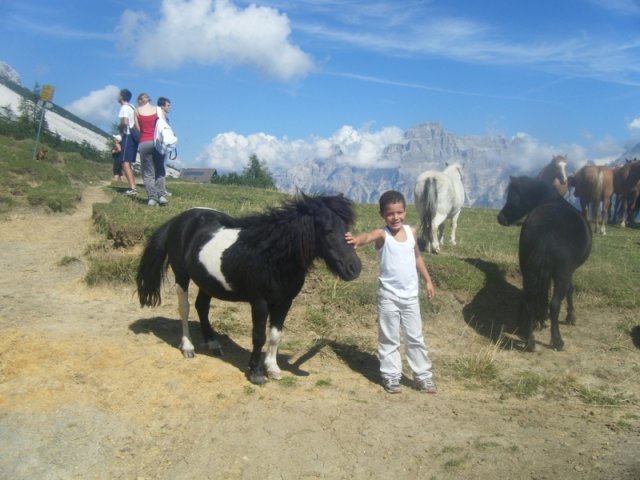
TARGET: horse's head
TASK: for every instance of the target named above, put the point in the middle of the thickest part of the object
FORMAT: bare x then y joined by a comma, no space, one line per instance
560,163
333,216
523,195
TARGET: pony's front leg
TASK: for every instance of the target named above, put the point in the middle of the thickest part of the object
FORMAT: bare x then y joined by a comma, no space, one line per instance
259,314
270,359
277,315
183,307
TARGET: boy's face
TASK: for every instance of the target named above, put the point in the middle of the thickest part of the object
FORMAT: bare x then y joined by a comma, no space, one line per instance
393,215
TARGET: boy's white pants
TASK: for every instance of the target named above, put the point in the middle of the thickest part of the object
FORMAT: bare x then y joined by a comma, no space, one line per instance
396,314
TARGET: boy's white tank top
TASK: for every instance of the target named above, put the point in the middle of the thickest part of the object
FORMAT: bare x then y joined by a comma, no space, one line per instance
398,272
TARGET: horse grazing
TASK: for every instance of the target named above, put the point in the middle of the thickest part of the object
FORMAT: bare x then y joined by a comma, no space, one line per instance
438,196
594,186
555,174
554,241
261,259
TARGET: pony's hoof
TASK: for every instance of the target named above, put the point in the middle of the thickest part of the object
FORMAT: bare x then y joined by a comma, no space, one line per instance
188,353
257,379
215,348
274,374
558,346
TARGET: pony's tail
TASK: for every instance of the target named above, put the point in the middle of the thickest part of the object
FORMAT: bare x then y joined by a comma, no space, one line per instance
536,285
429,202
152,268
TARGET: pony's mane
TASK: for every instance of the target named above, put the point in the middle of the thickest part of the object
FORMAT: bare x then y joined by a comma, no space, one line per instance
534,187
289,229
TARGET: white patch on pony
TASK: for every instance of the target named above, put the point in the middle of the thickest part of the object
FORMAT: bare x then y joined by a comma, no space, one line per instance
211,253
270,362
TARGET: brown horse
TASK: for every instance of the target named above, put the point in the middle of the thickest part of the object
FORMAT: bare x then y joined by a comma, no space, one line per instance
555,174
625,182
593,186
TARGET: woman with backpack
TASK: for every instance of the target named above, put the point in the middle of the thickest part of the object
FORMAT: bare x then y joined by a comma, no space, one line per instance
152,161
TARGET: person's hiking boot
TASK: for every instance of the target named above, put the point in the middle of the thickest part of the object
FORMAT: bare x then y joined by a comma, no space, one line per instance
391,385
425,385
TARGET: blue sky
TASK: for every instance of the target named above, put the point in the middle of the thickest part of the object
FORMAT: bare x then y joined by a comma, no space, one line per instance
290,79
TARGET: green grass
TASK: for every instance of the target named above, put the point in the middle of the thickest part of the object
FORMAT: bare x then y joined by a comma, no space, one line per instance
338,318
55,184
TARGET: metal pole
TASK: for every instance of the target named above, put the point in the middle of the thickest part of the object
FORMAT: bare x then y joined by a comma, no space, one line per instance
35,147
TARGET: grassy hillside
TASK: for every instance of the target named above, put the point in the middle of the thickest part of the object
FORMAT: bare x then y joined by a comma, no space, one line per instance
477,280
55,184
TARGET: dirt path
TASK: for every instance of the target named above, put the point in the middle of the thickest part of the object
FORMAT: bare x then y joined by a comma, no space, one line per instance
91,386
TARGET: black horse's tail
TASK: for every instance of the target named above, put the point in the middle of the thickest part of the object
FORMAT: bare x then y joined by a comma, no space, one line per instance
429,201
152,268
536,282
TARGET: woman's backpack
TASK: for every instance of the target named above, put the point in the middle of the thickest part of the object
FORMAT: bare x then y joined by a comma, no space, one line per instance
164,139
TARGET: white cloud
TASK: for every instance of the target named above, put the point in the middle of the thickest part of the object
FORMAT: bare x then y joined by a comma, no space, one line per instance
99,107
634,124
214,32
230,151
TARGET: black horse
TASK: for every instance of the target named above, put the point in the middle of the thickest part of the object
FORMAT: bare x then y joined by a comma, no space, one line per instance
554,241
261,259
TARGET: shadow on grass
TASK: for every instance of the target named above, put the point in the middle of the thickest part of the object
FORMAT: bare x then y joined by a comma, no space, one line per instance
493,311
635,336
170,331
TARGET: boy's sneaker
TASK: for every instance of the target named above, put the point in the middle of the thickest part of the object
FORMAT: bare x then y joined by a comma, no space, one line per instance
425,386
152,203
131,192
391,385
167,194
162,201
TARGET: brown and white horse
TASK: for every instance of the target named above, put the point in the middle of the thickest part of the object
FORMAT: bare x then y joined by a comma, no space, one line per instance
555,174
594,186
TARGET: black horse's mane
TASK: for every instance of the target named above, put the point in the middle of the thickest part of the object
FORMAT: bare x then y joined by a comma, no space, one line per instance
535,188
289,229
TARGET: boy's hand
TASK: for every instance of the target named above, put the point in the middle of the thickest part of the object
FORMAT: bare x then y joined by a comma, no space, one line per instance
350,239
430,290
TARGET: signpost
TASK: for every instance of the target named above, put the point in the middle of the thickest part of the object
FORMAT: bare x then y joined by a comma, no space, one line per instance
46,96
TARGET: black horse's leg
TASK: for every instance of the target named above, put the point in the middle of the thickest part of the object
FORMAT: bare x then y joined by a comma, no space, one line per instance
571,314
259,314
527,323
277,315
203,301
560,287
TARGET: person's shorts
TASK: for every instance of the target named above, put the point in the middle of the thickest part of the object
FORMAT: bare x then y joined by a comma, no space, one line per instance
129,149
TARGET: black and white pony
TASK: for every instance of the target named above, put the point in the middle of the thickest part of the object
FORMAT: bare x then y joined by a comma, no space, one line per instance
438,196
261,259
554,241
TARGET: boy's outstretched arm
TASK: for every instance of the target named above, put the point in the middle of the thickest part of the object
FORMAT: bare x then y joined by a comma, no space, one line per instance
365,238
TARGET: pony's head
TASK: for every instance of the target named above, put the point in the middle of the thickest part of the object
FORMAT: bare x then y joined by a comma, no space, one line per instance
332,218
523,195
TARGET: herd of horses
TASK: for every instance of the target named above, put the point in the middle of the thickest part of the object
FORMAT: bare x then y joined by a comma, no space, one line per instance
263,259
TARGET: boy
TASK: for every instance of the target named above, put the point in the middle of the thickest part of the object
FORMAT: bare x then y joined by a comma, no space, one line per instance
398,306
